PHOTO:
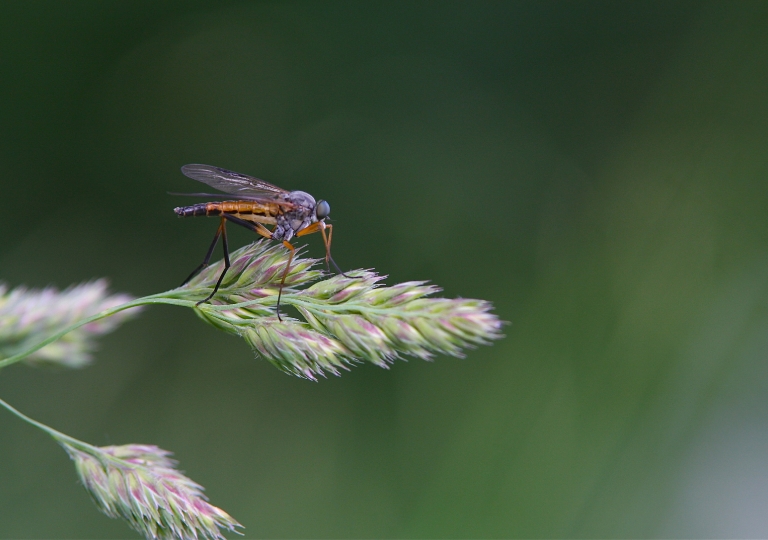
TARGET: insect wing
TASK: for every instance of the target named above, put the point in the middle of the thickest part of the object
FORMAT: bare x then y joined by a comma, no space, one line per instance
231,181
266,199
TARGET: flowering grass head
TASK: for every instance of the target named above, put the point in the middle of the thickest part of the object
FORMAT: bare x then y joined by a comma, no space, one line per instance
346,319
140,484
27,314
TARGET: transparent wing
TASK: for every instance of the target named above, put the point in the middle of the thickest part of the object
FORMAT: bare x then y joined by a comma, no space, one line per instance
267,199
230,181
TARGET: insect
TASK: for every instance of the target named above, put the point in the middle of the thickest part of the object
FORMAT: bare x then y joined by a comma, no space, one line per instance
256,203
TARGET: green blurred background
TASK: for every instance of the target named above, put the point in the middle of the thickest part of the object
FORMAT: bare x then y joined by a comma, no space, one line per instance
597,170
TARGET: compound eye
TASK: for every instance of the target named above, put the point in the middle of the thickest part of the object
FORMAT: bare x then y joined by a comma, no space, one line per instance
322,210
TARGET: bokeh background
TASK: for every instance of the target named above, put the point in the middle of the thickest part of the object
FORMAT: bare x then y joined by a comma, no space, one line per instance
597,170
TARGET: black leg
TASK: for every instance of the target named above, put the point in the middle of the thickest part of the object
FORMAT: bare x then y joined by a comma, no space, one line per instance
223,232
336,266
207,255
285,274
327,241
237,221
258,228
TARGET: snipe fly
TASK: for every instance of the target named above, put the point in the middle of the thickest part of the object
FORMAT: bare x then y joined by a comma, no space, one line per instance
256,203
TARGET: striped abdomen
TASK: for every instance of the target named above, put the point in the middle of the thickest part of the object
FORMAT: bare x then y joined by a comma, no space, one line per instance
243,209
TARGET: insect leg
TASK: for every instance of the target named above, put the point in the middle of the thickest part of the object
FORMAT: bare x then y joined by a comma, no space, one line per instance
258,228
285,274
321,226
328,251
207,255
223,231
313,228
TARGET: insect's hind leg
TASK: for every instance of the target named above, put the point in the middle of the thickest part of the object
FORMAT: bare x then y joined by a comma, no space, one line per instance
258,228
223,232
207,255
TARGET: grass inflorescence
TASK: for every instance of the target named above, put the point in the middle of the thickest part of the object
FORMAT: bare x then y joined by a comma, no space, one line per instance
347,319
27,314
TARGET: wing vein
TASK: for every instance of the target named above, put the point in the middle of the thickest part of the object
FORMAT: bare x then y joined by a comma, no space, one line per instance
231,181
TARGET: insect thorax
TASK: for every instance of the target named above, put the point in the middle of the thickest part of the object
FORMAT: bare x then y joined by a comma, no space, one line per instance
292,221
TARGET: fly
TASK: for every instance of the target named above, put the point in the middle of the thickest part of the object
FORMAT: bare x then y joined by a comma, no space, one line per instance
256,204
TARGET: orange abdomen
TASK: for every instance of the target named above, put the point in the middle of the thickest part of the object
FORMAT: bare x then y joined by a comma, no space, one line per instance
242,208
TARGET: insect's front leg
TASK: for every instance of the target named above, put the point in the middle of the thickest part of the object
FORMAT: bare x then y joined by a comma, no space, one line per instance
328,251
320,226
